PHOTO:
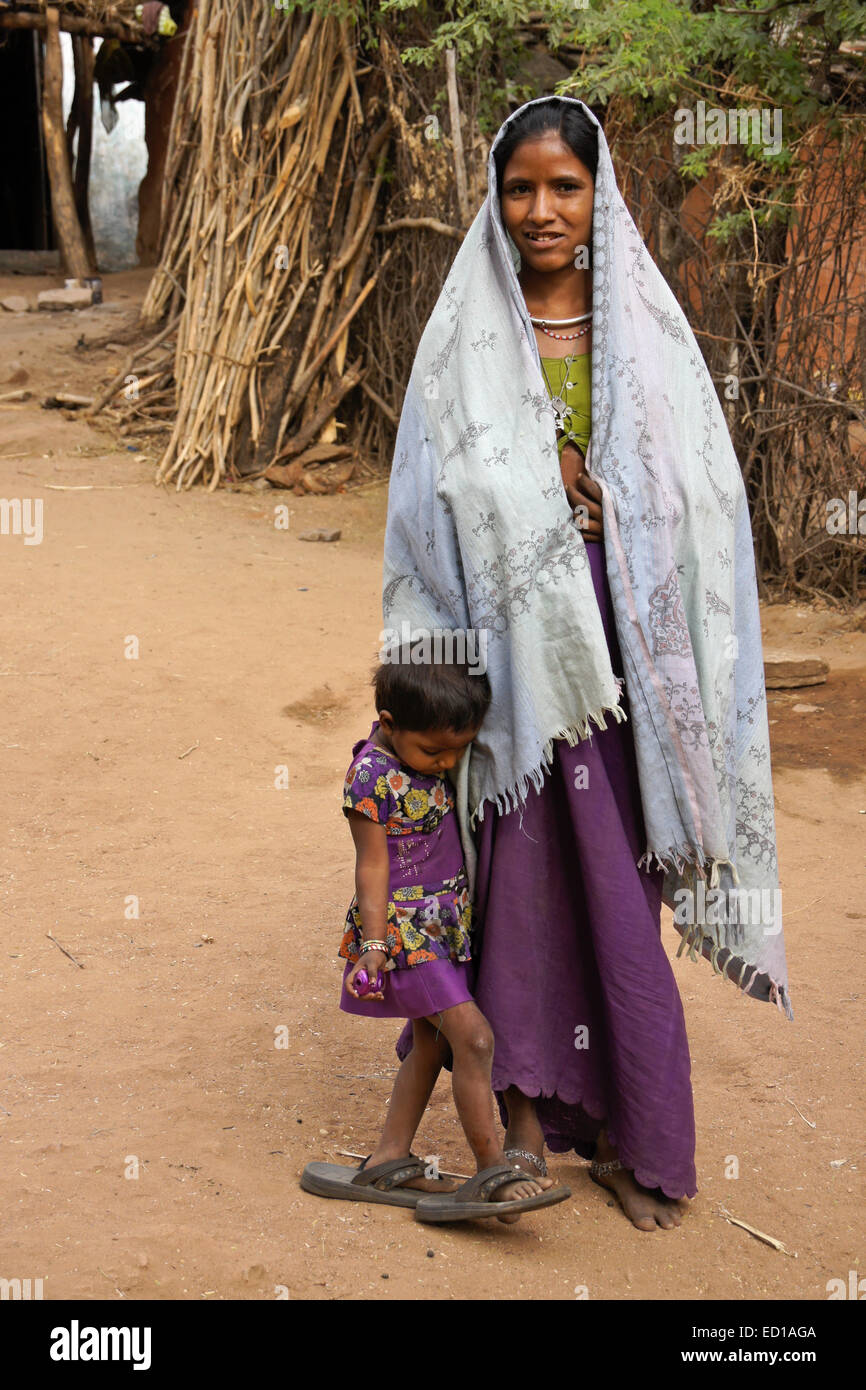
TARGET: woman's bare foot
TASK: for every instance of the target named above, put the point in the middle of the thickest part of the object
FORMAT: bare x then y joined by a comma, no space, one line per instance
647,1208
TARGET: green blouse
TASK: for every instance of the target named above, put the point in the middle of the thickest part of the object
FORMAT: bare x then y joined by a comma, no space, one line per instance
569,378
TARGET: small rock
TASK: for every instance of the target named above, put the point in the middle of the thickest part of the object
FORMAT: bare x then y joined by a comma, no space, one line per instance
807,709
430,1254
15,304
385,1276
321,534
142,1261
65,299
782,671
205,937
16,375
140,458
323,1131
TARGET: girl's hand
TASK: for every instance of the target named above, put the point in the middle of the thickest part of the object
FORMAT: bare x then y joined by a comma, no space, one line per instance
372,874
372,962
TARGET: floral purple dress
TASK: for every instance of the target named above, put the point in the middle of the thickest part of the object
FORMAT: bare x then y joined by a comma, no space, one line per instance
429,913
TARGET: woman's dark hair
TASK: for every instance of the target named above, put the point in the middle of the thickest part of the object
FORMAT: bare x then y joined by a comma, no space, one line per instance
432,695
574,128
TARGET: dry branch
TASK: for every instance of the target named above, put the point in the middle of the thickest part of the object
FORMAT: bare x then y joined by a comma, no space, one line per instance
430,223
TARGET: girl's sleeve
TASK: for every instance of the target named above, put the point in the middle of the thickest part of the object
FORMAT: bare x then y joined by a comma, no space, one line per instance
366,790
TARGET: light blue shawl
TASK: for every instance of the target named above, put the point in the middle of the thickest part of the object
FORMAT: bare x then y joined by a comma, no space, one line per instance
480,536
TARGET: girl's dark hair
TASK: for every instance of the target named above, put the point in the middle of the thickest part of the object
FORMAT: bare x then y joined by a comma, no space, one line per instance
432,695
569,122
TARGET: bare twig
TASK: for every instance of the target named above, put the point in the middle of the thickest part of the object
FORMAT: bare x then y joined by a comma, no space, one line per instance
810,1123
64,950
431,224
753,1231
346,1153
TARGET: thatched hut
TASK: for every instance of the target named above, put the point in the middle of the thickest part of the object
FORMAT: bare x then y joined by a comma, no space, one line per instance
45,196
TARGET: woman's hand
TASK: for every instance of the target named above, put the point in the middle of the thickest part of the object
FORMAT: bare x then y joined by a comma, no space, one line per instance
372,962
583,493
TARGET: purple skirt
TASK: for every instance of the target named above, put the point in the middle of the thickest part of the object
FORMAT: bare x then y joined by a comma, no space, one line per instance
414,993
570,970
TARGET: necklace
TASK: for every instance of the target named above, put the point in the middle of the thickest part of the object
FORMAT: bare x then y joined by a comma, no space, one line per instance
562,323
562,337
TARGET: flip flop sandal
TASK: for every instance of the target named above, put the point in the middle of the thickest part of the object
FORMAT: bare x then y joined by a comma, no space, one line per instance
379,1184
473,1199
536,1160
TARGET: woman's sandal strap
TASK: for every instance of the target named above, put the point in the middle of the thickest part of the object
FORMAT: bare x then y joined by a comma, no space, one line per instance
385,1176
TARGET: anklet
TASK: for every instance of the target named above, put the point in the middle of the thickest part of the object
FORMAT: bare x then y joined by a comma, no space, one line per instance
604,1170
535,1159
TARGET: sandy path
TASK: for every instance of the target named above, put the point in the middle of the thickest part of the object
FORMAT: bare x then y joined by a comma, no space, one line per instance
161,1051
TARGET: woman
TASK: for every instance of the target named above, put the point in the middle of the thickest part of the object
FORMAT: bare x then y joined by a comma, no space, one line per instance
625,755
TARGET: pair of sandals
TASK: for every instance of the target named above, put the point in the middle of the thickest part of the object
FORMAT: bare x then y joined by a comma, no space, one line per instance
384,1184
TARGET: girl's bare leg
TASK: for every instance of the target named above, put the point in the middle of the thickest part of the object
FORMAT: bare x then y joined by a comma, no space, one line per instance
471,1039
410,1097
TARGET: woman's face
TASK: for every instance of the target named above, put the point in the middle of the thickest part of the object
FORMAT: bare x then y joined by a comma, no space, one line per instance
546,201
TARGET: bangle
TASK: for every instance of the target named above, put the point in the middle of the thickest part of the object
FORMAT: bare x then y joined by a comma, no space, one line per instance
374,946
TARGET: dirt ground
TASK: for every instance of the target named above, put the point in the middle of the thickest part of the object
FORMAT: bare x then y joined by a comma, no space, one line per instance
152,1133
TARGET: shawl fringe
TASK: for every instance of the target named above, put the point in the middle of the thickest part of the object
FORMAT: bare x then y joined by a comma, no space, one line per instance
514,797
679,857
699,944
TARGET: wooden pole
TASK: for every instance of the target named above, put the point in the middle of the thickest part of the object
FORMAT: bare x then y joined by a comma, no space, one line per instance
75,24
66,224
457,135
44,194
83,47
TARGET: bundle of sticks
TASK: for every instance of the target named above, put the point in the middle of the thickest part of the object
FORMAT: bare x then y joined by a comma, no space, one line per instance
273,171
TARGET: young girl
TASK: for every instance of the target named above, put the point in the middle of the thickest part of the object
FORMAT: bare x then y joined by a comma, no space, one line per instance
408,930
